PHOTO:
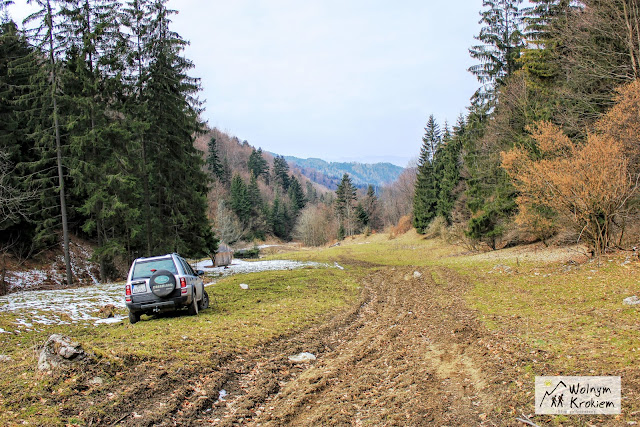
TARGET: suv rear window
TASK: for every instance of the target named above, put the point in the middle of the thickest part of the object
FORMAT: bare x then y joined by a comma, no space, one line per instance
144,269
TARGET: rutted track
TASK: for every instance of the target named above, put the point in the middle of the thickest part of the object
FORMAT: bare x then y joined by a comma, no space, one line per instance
409,353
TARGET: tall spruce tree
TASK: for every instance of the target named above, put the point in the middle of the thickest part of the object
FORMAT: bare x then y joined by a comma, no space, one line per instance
257,164
138,26
171,95
281,172
258,222
345,205
213,160
97,138
490,197
296,197
240,201
18,68
48,37
426,189
371,207
502,42
175,184
279,219
448,169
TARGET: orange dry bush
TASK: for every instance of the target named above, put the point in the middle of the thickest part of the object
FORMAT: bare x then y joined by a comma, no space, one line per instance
588,184
404,225
622,122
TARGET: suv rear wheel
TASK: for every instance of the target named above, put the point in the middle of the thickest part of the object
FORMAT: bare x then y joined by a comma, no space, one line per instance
134,317
193,307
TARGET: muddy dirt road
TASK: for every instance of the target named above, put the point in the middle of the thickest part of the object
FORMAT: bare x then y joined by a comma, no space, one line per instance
409,353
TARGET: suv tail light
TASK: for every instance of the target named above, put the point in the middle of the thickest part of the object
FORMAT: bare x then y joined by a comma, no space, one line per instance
183,285
127,291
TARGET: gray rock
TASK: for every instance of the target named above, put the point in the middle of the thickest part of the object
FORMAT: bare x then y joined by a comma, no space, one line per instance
244,286
96,381
302,358
417,274
58,352
634,300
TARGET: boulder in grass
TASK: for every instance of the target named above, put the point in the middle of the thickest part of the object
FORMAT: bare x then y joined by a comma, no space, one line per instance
60,352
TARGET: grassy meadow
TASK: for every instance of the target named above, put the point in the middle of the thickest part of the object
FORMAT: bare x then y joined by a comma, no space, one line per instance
555,301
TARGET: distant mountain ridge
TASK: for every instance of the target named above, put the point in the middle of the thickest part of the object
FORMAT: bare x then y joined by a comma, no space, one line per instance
329,174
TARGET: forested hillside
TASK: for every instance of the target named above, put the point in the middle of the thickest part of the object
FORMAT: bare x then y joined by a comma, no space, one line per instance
362,174
99,115
549,146
252,194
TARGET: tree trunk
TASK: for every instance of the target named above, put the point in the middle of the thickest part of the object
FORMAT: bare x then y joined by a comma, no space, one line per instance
56,124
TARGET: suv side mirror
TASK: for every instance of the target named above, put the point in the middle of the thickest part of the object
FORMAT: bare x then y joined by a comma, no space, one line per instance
199,272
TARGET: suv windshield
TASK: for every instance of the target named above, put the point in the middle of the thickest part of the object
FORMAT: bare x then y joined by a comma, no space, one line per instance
144,269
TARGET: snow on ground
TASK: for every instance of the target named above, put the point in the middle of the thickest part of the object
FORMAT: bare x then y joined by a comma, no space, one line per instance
239,266
82,305
54,276
25,279
62,306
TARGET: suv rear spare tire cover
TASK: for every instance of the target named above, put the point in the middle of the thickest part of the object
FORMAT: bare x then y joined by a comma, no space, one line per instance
162,283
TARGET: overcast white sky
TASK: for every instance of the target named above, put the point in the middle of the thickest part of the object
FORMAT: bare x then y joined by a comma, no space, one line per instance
335,79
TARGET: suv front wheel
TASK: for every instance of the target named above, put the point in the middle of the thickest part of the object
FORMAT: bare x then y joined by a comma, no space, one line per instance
204,303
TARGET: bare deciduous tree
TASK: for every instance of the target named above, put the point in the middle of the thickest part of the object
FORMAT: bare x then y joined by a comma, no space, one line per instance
226,225
397,199
316,225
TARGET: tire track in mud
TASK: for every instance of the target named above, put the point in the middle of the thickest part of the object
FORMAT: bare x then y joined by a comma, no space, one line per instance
409,353
402,366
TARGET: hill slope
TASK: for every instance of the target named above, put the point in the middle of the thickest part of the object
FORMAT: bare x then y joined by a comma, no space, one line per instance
362,174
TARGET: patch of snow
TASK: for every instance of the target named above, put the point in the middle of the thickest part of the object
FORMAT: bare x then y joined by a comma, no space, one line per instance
338,266
267,246
62,306
109,320
239,266
244,286
633,300
2,331
302,358
25,279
